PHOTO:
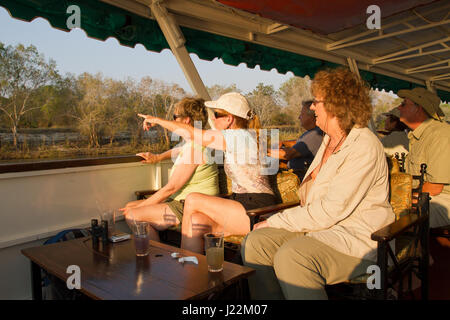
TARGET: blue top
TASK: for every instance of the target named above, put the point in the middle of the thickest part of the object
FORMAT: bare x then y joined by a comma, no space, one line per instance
307,145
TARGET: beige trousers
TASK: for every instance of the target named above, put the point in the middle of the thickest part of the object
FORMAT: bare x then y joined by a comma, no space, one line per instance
440,210
294,266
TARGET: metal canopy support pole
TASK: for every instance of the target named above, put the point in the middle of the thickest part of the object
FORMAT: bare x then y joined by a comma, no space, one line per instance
354,68
430,86
176,41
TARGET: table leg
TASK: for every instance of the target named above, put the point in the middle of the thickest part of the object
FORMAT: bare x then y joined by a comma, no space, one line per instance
36,282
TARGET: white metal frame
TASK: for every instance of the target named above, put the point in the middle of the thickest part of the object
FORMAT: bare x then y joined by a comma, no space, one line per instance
383,34
213,17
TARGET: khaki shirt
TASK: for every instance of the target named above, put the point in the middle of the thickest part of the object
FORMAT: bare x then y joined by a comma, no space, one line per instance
430,144
347,201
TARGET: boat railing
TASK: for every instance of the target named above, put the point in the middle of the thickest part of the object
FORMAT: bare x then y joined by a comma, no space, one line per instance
38,199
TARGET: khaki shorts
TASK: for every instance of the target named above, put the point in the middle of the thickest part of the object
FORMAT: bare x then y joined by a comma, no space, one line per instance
177,207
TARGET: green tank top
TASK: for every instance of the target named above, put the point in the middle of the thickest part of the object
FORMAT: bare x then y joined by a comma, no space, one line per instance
205,178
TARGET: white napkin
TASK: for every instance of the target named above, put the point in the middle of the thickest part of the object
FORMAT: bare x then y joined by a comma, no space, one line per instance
188,259
184,259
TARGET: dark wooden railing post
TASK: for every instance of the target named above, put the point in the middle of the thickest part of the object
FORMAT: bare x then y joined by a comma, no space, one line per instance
382,260
425,257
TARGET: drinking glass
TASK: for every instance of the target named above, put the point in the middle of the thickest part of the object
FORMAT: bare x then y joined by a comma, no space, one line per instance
214,251
141,232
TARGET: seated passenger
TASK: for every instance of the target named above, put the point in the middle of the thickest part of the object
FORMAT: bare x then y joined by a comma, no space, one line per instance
396,140
429,144
301,154
251,189
193,171
344,198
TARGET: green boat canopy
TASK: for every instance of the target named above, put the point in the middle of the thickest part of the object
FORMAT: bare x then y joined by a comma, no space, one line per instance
102,21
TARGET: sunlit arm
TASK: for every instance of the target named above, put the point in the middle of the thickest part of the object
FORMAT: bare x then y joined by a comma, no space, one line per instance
207,138
179,177
288,143
154,158
432,188
284,154
277,153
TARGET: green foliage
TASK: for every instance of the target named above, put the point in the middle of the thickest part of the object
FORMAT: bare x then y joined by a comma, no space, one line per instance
265,102
281,118
217,90
382,102
23,74
34,95
446,109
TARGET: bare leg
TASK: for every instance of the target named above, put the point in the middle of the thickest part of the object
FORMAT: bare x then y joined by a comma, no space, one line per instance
203,213
198,226
160,217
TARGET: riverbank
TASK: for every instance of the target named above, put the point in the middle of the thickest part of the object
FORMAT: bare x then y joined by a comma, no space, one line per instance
66,143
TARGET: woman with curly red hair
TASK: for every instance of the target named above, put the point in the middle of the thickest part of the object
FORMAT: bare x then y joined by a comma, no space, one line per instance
343,200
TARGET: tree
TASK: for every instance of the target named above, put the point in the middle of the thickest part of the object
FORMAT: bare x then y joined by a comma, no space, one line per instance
117,103
56,101
89,112
217,90
265,102
158,98
23,71
382,102
294,91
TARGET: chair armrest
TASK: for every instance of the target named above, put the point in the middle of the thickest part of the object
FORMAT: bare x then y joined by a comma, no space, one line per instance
396,228
140,195
271,209
415,217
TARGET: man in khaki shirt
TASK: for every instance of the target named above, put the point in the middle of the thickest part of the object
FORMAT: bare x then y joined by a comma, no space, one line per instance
429,143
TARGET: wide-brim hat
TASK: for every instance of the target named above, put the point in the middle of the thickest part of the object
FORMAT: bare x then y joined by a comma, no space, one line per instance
425,98
234,103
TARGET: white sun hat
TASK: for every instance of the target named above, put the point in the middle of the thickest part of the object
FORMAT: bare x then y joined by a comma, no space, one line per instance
234,103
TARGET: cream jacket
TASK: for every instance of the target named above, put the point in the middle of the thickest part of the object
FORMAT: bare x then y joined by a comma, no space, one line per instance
348,200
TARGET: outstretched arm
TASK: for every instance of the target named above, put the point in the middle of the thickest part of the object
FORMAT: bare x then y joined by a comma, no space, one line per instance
284,153
207,138
179,177
432,188
154,158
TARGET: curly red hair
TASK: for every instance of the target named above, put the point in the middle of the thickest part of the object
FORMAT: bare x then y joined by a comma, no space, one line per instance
345,96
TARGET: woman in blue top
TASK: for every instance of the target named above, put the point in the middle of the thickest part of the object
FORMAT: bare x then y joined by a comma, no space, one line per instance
233,120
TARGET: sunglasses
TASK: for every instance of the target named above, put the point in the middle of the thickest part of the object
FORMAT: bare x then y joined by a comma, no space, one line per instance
219,115
402,104
176,116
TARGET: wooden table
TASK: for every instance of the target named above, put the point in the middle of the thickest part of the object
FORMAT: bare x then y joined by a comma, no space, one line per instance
113,271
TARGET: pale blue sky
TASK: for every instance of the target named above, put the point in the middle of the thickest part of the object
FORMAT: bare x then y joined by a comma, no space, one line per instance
74,52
